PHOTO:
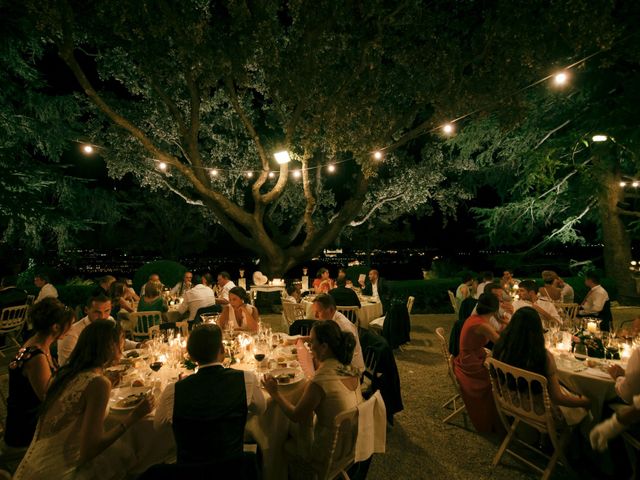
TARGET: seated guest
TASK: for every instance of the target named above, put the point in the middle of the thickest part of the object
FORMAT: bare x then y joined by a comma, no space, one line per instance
331,391
522,345
104,286
487,278
199,296
627,381
152,301
374,286
344,296
566,290
501,318
507,281
469,368
467,308
31,370
129,293
528,293
10,295
324,308
293,294
154,277
549,290
97,308
70,432
239,314
597,296
615,425
208,410
181,288
464,289
322,282
41,281
119,302
342,274
225,285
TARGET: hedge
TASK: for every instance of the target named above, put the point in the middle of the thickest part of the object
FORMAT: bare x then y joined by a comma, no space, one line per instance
170,273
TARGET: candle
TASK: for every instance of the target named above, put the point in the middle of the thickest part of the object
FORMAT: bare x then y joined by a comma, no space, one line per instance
242,282
592,327
305,283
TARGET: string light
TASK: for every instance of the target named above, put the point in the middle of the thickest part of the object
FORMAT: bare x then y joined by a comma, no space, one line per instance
599,138
297,173
214,172
88,149
249,174
560,78
623,184
377,155
331,168
448,128
271,174
162,166
635,184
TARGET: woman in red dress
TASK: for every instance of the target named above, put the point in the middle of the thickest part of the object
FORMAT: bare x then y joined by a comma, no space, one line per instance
469,368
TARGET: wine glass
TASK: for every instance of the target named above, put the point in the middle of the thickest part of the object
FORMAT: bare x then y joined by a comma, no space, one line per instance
580,352
259,353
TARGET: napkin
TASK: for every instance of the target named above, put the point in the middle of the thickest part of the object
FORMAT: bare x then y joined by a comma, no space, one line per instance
372,428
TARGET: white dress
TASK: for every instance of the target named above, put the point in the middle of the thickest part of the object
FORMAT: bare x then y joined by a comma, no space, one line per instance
55,449
232,317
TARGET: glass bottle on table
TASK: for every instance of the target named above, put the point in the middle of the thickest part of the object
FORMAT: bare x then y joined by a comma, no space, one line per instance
580,352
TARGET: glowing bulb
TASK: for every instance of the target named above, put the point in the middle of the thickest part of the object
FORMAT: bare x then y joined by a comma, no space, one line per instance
599,138
635,184
378,155
448,128
271,174
560,78
634,263
249,174
214,172
623,184
162,166
282,157
297,173
331,168
88,149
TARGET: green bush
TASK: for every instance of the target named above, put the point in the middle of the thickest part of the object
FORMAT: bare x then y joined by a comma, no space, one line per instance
25,279
431,295
170,273
74,295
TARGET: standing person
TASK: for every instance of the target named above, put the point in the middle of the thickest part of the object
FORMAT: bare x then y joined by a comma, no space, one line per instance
469,368
199,296
70,432
239,313
41,281
225,284
32,369
322,283
182,287
208,410
10,295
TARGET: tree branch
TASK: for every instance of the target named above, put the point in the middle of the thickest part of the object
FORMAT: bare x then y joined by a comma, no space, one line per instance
357,223
546,137
309,197
628,213
188,200
170,104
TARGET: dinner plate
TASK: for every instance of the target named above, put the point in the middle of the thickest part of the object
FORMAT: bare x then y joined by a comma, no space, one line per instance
121,398
295,375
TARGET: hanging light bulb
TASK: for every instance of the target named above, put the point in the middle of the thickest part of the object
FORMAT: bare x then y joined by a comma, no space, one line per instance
297,174
599,138
377,155
635,184
162,166
623,184
282,157
249,174
331,168
88,149
271,174
560,78
213,172
448,128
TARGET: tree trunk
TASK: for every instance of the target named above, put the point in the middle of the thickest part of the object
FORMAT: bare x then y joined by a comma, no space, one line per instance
617,244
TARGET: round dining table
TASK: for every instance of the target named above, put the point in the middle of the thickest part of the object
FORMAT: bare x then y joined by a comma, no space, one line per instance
143,446
369,310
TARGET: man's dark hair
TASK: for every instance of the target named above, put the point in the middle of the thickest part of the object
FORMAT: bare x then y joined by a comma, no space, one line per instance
529,286
225,275
489,287
101,298
208,278
291,288
341,282
204,343
487,276
593,276
325,301
42,276
466,277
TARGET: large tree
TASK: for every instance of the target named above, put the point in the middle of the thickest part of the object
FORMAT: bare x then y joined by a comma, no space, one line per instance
199,85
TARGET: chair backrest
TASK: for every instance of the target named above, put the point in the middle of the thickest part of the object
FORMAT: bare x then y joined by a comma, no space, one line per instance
12,319
211,309
352,313
301,327
293,311
141,322
454,303
184,328
342,451
30,299
410,301
447,357
606,317
567,311
521,394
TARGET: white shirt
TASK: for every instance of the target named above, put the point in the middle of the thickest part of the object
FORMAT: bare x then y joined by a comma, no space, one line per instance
628,385
543,303
164,409
68,342
47,290
594,301
346,326
374,289
480,289
567,294
196,298
176,290
224,293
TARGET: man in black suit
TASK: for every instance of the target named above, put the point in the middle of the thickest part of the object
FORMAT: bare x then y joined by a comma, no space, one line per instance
344,296
208,410
10,295
375,286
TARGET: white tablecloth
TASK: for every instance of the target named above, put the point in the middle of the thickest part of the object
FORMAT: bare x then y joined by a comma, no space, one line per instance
368,311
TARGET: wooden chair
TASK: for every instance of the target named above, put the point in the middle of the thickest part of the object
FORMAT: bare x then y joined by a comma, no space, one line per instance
352,313
454,303
410,301
141,321
292,312
184,328
154,331
517,400
567,311
12,320
455,402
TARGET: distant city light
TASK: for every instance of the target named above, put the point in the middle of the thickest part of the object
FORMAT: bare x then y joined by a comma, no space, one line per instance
331,168
448,128
599,138
282,157
162,166
560,78
297,173
378,155
88,149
